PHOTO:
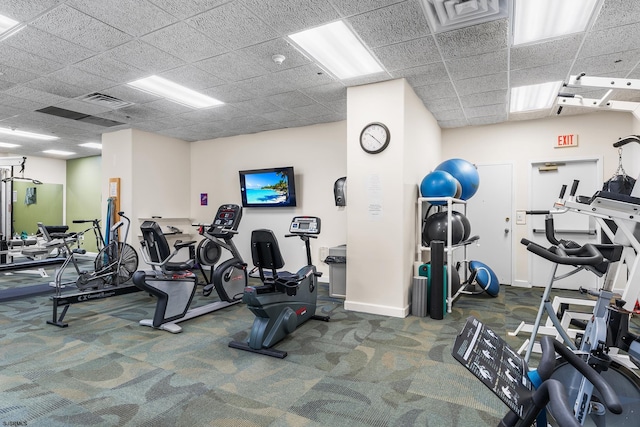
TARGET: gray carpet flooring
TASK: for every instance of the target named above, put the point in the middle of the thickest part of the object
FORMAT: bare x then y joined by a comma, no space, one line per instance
359,369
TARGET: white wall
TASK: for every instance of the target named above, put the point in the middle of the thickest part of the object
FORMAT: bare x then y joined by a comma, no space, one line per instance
520,143
317,154
154,175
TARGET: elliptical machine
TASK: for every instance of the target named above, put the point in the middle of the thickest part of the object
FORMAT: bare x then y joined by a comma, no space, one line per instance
285,300
175,284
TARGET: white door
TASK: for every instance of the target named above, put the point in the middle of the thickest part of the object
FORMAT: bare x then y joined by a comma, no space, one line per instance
489,212
547,179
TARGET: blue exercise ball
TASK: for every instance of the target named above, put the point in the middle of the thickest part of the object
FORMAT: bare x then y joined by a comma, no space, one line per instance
438,184
466,174
485,277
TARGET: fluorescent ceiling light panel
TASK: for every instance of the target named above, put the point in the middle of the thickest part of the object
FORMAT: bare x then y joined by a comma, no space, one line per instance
536,20
59,152
6,23
24,134
338,49
175,92
533,97
92,145
8,145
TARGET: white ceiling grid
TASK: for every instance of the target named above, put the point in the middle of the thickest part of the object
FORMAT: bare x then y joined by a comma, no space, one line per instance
222,48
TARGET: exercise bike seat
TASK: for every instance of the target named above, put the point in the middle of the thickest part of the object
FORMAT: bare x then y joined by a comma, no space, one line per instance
159,250
266,255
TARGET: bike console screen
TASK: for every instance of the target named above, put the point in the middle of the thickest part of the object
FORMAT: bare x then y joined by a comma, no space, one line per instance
305,225
228,217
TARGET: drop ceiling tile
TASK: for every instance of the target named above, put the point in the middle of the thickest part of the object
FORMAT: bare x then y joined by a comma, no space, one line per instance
412,53
106,66
232,66
611,40
424,74
612,65
487,120
478,39
4,85
6,112
354,7
446,124
482,84
313,110
338,107
19,103
326,93
15,75
81,78
45,45
393,24
26,10
184,42
478,65
43,99
255,106
230,93
547,73
233,26
22,60
531,115
289,17
535,55
77,27
55,87
144,57
208,115
442,104
615,13
262,53
183,9
279,116
436,91
486,111
192,77
289,100
447,115
134,18
484,98
134,113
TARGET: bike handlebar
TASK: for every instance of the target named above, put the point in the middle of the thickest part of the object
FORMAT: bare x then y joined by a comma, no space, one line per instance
584,255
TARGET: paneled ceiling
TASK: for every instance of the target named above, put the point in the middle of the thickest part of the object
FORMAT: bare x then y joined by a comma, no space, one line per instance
76,48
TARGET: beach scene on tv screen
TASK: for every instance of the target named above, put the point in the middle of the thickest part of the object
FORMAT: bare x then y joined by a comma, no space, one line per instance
267,187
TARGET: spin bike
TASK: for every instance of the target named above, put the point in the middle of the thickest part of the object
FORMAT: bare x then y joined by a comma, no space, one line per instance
526,392
174,283
285,300
607,328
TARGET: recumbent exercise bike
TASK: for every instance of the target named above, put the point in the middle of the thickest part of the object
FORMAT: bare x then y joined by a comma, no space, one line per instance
175,284
285,300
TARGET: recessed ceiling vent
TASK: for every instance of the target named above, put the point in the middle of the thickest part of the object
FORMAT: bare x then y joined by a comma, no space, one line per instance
447,15
104,100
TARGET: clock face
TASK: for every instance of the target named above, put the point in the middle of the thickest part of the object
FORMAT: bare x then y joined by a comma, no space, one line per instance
374,138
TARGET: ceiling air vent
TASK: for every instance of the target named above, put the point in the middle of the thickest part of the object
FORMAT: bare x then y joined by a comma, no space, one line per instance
104,100
447,15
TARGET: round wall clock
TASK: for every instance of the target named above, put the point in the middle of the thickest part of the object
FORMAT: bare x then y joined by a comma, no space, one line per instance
374,138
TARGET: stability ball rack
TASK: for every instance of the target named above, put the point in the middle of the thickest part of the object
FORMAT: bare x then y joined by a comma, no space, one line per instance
448,247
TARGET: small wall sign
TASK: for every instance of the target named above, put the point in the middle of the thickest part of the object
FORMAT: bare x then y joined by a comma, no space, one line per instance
569,140
204,199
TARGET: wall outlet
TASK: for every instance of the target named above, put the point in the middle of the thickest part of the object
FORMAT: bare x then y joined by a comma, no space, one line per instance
324,252
521,217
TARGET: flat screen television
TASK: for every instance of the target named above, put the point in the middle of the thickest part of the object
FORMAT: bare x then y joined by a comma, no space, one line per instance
274,187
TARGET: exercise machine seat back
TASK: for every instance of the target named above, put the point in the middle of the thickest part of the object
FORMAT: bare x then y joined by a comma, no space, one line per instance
174,286
266,255
158,248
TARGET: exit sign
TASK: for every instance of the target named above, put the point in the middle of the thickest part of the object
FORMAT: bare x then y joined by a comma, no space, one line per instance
570,140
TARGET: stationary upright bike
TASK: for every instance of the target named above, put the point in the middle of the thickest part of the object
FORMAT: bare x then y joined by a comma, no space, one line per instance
285,300
175,284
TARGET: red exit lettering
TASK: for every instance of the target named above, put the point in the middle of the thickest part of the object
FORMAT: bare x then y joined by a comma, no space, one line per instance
570,140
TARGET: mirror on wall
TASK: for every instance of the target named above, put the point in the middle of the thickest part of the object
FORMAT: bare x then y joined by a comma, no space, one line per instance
33,203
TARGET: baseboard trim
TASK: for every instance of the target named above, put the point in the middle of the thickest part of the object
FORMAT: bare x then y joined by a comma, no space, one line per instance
521,284
383,310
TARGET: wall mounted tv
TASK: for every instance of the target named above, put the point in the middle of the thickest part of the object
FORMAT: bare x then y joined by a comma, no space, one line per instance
274,187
